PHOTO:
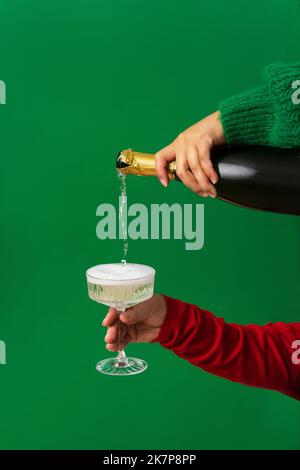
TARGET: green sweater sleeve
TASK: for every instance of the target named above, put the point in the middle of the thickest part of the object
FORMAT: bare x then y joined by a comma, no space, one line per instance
267,115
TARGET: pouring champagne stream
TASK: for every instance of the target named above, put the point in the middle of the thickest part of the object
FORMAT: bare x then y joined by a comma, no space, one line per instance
121,285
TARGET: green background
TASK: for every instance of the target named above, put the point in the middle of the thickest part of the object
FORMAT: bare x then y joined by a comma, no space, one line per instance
85,79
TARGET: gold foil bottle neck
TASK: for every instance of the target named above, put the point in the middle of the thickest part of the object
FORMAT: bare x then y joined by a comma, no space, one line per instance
138,163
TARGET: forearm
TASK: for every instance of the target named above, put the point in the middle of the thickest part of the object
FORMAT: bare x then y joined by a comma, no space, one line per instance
259,356
267,115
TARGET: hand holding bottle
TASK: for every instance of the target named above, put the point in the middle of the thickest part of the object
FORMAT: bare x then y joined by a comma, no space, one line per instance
191,150
139,324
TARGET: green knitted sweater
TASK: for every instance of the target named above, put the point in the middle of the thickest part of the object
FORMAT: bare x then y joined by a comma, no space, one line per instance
268,115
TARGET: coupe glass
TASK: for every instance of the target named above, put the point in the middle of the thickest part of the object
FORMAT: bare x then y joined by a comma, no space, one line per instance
120,286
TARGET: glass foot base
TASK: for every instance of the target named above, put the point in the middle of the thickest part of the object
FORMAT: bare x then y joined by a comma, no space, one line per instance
130,366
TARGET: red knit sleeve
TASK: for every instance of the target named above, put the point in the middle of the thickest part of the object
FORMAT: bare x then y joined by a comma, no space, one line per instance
260,356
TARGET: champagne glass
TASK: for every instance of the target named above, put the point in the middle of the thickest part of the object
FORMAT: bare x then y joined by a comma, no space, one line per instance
121,286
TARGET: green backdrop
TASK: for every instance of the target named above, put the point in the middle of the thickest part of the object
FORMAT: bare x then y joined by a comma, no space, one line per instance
85,79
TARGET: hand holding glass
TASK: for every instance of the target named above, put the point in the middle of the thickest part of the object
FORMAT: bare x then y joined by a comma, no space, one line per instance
120,286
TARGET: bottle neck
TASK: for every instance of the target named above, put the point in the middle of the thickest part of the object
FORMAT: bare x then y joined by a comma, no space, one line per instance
138,163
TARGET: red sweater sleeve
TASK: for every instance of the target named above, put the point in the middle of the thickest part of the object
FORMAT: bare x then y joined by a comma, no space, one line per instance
260,356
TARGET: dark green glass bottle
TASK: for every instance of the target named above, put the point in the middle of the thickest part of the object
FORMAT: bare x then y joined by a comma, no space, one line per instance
256,177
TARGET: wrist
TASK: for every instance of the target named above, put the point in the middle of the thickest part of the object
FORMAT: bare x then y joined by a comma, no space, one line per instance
219,138
174,317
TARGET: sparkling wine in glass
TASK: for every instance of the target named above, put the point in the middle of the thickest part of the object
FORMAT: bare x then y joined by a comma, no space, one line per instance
120,285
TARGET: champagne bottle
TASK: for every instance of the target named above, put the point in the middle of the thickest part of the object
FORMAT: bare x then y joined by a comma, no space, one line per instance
256,177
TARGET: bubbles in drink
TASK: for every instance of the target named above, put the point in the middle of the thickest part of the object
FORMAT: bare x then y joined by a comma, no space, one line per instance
120,286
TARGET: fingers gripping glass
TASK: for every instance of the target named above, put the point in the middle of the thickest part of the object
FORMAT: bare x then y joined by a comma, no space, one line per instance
120,286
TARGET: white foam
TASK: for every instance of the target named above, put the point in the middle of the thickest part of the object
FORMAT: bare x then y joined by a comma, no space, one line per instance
116,273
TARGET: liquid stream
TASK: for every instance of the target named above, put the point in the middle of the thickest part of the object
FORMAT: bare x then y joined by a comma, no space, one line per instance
122,217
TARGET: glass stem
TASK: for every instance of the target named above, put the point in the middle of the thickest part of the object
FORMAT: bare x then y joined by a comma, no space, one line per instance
122,358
